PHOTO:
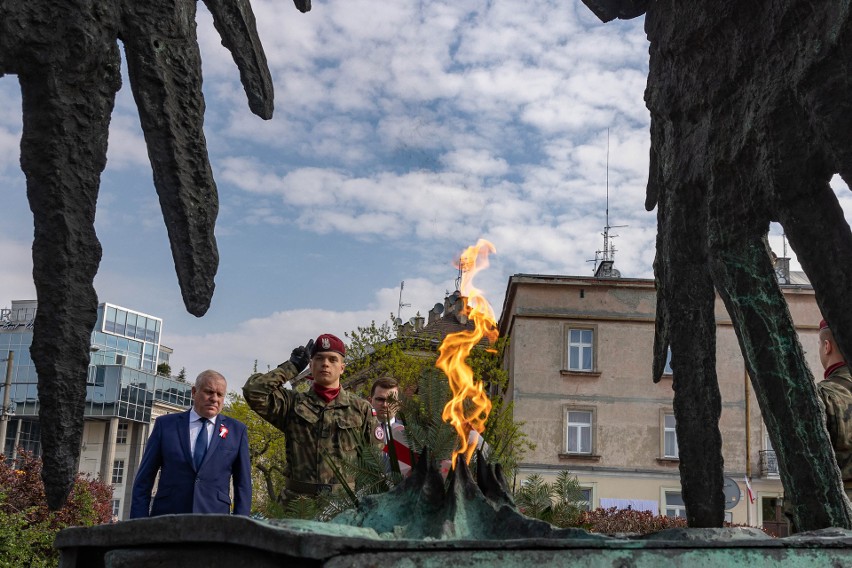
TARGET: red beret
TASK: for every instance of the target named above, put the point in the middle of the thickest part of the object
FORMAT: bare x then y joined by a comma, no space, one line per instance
328,342
823,325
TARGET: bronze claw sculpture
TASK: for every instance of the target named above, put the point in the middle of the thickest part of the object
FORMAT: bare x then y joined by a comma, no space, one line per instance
751,116
65,54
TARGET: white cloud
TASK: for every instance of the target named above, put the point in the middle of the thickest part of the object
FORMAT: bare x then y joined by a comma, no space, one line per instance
480,163
126,148
270,339
16,280
10,148
423,126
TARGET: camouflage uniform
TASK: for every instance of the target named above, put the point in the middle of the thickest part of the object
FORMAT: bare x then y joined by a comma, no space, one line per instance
836,394
311,426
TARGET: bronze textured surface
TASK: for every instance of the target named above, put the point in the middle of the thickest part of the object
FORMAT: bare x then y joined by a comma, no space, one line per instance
175,541
750,119
65,54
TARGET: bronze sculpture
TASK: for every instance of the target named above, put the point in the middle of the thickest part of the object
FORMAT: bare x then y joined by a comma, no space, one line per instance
748,124
750,120
65,54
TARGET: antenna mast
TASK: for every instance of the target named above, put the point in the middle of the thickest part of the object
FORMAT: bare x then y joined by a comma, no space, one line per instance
401,305
606,247
463,267
608,252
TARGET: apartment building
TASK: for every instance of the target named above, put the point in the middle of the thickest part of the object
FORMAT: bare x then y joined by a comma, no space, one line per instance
579,361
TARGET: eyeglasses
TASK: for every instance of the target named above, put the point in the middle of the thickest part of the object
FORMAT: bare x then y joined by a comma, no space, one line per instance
382,399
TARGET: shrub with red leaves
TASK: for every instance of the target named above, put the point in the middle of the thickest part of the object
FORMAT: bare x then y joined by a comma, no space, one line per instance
613,521
27,527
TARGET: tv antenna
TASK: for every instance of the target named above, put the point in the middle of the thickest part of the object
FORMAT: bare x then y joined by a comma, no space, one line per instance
401,305
607,254
464,266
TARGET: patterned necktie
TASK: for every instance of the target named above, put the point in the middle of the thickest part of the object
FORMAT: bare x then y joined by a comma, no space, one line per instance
200,444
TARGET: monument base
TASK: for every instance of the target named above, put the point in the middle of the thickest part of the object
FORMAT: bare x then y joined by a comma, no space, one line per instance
178,541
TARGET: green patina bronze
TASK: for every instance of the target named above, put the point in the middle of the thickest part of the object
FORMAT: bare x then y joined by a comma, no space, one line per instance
427,522
751,116
783,384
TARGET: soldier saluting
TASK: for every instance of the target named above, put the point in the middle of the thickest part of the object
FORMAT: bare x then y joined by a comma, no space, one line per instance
324,420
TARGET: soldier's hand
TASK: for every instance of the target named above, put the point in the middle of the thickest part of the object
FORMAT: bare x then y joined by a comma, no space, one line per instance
300,358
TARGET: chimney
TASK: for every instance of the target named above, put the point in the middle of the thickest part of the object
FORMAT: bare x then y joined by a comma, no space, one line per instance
433,316
450,302
606,270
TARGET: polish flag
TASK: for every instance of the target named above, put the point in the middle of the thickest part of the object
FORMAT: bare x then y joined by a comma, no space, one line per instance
748,489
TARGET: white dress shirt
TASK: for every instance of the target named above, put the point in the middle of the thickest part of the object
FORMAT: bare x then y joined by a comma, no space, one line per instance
195,426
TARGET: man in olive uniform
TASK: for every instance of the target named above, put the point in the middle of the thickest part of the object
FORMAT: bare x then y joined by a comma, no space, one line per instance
325,419
836,394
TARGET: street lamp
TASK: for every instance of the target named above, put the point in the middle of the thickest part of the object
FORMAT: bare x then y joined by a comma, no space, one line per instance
6,411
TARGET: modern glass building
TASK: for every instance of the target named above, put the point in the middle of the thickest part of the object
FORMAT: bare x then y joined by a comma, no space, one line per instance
123,392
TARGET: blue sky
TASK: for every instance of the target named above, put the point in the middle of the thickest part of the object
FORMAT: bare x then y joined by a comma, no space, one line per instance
403,132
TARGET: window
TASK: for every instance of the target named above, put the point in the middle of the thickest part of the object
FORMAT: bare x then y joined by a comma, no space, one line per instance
768,459
131,324
30,438
120,321
118,472
116,507
141,324
669,437
581,349
579,432
109,321
121,433
585,503
667,370
674,504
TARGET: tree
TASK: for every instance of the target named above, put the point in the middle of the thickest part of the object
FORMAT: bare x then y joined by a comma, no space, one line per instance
181,376
374,351
558,503
506,437
27,527
164,370
267,455
366,472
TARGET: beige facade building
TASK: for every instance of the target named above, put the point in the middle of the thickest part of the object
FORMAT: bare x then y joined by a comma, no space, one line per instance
579,359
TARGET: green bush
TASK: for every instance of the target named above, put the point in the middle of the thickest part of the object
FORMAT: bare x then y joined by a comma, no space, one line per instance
558,503
27,527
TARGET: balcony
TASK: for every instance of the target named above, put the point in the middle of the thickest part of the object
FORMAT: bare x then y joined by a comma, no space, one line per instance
768,464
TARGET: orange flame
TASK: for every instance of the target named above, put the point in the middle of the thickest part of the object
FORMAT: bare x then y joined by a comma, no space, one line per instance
468,409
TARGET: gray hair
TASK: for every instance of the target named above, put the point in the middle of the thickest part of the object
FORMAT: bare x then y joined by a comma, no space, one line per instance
203,376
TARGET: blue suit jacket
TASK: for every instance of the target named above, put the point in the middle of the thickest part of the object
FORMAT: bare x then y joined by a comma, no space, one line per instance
181,488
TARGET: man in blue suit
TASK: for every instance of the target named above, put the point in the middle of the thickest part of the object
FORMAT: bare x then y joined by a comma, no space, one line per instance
196,452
